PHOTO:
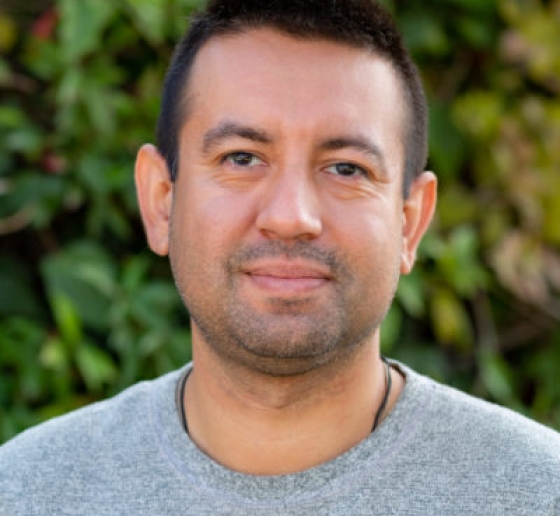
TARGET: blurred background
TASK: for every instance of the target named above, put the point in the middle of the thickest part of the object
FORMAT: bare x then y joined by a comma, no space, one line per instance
86,309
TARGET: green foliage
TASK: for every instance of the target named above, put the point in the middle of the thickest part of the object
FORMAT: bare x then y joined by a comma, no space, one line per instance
490,269
86,310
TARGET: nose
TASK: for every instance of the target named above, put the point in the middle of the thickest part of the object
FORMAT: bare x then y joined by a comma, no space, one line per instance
290,207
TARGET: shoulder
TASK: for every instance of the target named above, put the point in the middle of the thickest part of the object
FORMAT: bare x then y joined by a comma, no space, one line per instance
464,429
69,449
86,424
470,454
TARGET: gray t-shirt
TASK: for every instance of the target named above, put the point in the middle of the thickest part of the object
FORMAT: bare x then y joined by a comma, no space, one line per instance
439,452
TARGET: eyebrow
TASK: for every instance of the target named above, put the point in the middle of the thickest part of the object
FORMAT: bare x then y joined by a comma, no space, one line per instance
227,129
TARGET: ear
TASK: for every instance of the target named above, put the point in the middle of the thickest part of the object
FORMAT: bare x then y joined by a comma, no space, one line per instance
418,210
154,190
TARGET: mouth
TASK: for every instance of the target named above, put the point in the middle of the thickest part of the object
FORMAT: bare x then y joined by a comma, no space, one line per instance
288,277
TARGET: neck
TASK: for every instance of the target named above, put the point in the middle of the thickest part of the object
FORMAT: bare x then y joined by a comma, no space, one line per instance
257,424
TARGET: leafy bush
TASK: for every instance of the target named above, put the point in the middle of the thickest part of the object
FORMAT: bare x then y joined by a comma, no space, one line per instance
86,310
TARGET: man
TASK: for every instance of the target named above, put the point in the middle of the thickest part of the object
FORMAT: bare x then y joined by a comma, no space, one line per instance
288,188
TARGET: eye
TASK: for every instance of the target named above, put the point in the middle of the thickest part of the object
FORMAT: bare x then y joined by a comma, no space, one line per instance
242,159
346,170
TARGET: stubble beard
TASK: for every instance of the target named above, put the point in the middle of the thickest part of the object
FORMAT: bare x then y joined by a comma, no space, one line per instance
292,339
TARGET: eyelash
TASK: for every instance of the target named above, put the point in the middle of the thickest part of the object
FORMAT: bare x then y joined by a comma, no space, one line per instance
357,171
230,157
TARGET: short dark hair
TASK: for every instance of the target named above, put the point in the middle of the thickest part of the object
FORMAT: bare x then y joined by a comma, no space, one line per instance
359,23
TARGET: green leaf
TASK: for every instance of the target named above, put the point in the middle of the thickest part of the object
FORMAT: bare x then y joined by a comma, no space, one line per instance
82,24
66,317
96,366
11,117
459,264
8,33
17,295
25,140
410,293
477,31
86,276
54,355
450,320
480,113
391,329
447,146
135,271
149,17
424,33
496,377
152,304
70,87
38,193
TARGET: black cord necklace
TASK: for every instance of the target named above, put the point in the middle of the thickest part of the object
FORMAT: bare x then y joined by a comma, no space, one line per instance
388,385
180,399
180,396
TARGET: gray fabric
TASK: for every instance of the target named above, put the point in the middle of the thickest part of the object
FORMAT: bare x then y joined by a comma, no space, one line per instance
439,452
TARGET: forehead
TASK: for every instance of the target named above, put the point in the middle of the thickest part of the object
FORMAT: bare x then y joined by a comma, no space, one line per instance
255,55
306,84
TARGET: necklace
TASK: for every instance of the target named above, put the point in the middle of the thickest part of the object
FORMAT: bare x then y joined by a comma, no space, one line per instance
388,385
180,396
180,399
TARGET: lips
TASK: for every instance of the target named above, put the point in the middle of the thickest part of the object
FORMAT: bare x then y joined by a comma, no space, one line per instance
288,270
287,277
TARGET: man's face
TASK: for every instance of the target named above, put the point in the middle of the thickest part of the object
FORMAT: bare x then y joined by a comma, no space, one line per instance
287,218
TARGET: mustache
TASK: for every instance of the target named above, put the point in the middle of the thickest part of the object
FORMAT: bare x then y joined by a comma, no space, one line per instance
278,249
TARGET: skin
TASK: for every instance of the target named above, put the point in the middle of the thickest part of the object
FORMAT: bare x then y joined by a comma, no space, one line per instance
287,231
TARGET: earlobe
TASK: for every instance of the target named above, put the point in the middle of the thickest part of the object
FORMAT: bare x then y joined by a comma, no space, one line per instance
418,211
154,191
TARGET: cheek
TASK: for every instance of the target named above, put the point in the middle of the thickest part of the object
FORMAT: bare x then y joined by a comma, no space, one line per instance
372,243
371,230
223,222
208,226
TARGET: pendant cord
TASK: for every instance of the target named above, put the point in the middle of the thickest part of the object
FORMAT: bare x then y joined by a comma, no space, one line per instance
388,385
180,396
